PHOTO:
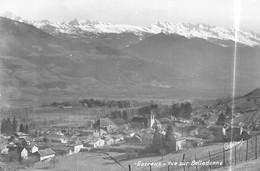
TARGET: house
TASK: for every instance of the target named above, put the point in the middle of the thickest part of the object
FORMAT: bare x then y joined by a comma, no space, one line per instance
43,145
87,139
194,132
242,127
40,139
102,132
117,138
29,140
61,150
24,153
105,123
65,107
45,154
126,132
93,132
10,148
108,141
89,131
96,143
5,150
158,124
180,144
57,138
165,120
235,132
76,140
194,142
21,135
143,122
76,147
32,148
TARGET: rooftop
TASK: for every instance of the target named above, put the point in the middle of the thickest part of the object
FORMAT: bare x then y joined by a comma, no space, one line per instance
46,152
106,122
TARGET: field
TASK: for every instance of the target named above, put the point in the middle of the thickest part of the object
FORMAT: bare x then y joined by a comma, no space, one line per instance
99,161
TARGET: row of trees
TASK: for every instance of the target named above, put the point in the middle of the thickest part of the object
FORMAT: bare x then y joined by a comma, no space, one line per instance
181,110
163,144
147,109
108,103
10,127
56,104
178,110
119,114
24,129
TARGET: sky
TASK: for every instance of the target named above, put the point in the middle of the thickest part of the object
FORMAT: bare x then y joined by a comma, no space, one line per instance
139,12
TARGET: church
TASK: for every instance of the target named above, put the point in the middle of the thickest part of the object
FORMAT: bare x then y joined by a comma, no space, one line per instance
143,122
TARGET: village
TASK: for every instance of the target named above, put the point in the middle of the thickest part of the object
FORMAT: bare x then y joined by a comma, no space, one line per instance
95,135
138,137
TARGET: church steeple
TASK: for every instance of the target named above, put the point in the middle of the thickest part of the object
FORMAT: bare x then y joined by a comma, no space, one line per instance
151,120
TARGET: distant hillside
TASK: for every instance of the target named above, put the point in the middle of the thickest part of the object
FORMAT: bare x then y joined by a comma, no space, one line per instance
198,63
254,94
250,101
37,67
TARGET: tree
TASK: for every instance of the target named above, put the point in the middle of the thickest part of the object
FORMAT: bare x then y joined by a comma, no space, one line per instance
21,128
115,114
124,115
8,127
221,119
169,140
157,144
13,156
175,110
188,110
228,110
182,110
3,126
14,125
26,130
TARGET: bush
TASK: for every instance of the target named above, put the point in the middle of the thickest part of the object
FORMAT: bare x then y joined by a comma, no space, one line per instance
30,161
12,156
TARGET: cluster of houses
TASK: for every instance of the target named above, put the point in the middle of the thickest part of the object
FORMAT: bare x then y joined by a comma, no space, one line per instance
243,126
59,141
53,142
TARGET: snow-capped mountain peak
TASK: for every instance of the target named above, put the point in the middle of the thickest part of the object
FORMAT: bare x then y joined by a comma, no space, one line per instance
74,22
205,31
78,28
89,22
11,16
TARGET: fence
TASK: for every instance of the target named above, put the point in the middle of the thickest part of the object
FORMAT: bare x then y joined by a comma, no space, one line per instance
231,154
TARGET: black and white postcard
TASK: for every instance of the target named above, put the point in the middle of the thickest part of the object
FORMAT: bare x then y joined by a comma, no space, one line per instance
129,85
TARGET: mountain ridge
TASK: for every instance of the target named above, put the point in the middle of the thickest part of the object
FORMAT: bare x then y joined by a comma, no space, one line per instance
79,28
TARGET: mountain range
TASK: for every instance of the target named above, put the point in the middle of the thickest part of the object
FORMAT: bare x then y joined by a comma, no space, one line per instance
89,29
42,61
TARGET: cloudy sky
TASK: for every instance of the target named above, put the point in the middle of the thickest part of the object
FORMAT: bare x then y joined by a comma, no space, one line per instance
139,12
